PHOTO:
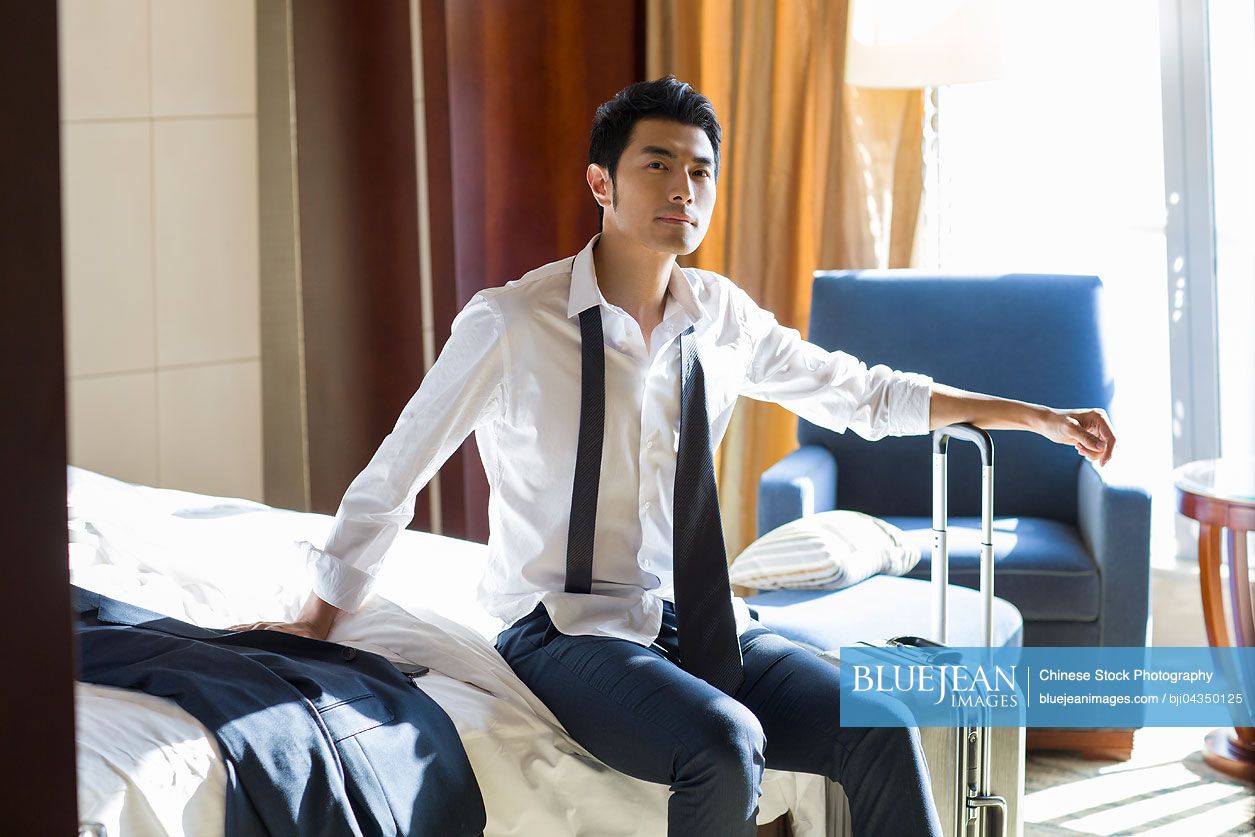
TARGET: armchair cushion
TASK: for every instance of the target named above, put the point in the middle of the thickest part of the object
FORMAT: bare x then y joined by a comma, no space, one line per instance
1041,565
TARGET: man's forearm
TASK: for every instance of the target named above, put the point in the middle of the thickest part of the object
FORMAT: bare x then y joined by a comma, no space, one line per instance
320,613
949,406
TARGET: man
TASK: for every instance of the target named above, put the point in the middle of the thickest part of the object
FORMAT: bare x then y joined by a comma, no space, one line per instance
607,653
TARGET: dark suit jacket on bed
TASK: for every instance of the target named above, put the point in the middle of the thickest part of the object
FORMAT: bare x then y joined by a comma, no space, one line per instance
318,738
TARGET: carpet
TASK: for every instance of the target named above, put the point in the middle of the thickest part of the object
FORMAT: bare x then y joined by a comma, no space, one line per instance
1164,790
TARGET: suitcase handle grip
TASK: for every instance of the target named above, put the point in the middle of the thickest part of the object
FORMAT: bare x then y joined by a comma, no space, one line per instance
995,806
968,433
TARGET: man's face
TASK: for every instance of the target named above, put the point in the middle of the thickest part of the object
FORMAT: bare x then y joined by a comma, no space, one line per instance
667,171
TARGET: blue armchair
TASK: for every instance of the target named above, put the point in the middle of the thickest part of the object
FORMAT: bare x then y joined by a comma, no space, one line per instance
1072,551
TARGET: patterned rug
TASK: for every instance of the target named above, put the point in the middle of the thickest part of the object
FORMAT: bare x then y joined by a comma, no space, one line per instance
1164,790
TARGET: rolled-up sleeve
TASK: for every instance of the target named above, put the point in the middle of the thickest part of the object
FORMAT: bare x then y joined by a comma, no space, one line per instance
831,389
465,387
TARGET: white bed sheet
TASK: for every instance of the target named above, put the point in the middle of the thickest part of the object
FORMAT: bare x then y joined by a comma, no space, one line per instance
147,767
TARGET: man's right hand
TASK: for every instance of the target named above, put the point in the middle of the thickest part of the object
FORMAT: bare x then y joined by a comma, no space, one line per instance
314,620
300,627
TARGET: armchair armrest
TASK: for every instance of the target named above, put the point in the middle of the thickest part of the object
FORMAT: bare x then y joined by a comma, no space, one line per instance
1114,522
804,482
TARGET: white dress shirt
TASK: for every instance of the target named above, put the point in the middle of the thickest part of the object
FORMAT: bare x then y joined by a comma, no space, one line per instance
511,372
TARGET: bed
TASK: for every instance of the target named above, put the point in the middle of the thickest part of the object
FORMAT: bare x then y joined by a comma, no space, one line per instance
147,767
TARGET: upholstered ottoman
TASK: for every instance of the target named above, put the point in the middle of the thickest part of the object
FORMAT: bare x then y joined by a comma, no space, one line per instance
878,608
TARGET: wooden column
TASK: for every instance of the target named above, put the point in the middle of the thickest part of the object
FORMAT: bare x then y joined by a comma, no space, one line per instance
341,312
37,779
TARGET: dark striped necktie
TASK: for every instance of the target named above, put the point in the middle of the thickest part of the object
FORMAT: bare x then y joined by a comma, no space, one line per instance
709,647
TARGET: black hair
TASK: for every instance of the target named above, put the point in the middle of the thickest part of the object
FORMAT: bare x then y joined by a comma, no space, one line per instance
664,98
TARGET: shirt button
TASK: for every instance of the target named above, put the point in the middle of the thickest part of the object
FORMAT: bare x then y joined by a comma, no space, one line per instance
645,563
646,505
650,443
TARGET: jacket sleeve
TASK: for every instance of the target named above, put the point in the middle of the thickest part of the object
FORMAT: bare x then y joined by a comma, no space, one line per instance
464,388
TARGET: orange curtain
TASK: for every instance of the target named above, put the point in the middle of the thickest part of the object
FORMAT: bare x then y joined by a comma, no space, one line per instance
814,175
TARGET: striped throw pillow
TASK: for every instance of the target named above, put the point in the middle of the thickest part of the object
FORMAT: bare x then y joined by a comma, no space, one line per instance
826,551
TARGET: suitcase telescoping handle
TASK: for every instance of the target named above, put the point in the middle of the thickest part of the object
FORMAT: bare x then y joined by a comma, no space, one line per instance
941,555
974,746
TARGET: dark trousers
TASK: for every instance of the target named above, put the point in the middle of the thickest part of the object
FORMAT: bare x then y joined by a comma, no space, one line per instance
636,710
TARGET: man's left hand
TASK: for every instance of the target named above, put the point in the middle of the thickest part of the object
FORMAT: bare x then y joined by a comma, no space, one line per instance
1089,431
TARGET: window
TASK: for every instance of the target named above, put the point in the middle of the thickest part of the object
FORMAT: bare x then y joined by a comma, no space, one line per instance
1231,37
1058,167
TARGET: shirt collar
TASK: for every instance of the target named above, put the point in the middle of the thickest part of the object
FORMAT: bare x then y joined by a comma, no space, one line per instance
585,293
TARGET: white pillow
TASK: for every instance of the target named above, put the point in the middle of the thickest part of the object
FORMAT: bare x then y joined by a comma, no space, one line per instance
826,551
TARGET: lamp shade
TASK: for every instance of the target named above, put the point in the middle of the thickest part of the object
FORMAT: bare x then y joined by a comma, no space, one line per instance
923,43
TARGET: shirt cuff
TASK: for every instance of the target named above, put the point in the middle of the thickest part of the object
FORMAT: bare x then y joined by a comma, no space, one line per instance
910,415
336,582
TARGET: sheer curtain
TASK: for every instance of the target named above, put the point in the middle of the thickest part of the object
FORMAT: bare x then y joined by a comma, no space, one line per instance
1059,167
814,175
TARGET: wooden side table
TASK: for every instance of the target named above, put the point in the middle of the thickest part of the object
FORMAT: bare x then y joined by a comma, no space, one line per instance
1220,495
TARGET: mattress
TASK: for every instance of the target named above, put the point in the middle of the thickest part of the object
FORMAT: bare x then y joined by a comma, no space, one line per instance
147,767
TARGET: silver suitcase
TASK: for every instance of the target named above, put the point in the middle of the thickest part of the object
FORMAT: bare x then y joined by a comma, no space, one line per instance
976,771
